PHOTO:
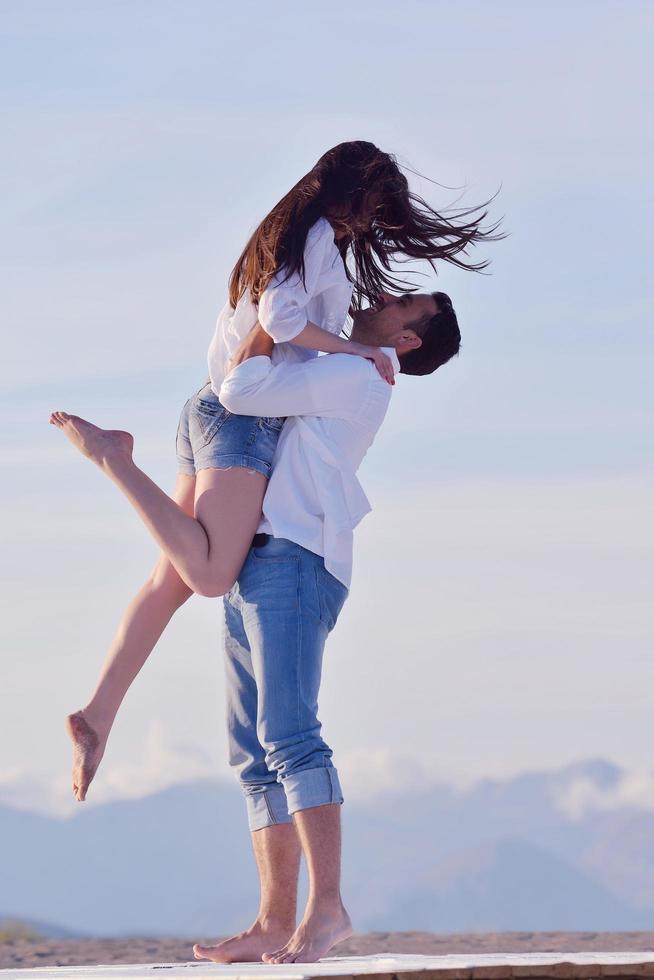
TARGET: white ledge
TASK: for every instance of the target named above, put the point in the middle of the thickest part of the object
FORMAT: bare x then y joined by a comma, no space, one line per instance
386,964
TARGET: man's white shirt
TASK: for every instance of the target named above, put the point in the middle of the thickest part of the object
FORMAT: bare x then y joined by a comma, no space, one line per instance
335,404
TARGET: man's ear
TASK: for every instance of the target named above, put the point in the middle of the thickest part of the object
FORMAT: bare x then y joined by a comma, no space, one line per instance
409,340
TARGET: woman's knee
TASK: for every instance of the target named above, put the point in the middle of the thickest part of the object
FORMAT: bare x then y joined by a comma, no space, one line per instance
213,587
215,581
165,582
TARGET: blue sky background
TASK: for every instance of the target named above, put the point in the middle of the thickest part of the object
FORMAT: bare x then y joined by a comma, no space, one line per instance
499,612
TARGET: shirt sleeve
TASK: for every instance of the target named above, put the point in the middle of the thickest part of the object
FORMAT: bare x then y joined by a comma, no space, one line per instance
282,305
333,385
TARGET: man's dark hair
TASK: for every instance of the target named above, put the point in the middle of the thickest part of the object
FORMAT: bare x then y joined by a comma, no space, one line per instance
441,339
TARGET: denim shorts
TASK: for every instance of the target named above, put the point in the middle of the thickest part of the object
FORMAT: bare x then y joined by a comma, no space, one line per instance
210,437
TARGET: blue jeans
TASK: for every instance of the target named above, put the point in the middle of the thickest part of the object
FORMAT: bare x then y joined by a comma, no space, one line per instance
276,620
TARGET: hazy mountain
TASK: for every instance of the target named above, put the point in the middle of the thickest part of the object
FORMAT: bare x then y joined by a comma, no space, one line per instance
175,862
526,853
31,928
508,885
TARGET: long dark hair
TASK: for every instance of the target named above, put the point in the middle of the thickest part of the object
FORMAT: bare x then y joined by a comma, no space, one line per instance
365,195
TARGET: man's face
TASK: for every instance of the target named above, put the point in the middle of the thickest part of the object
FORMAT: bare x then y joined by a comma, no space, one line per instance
389,323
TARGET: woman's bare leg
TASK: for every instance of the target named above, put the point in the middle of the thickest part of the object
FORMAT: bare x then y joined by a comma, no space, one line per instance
207,550
142,624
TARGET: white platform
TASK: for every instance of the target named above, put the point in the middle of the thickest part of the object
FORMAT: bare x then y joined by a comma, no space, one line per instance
387,964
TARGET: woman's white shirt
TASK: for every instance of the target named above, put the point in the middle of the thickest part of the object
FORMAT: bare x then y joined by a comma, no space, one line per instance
285,308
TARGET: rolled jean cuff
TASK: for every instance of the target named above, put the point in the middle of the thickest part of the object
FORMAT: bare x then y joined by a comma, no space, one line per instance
267,807
312,787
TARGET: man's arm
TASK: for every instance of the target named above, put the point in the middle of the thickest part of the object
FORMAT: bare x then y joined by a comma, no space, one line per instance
325,386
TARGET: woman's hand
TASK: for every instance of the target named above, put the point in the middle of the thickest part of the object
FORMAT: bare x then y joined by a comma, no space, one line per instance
381,361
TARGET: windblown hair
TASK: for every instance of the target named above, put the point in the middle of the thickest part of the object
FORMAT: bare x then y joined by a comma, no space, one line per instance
365,195
441,340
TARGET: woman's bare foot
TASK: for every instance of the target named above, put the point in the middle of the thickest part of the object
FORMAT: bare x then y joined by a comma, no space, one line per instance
88,749
314,937
99,445
246,947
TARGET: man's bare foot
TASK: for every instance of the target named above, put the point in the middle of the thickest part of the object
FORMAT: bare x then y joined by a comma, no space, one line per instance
99,445
246,947
314,937
88,749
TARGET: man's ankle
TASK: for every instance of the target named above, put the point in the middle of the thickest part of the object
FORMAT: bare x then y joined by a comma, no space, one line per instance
325,904
276,921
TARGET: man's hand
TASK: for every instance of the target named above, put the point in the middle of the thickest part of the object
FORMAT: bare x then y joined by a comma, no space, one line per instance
256,344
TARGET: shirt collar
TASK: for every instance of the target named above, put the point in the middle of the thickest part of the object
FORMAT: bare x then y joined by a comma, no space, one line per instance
392,353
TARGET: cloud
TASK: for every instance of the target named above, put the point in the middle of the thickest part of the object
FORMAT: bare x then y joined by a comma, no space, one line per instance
633,790
367,772
160,763
23,789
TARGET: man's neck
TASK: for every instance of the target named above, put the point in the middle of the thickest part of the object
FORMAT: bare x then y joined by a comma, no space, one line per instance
368,337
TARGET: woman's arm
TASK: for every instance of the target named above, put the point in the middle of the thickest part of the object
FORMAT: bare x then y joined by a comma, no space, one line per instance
258,343
316,338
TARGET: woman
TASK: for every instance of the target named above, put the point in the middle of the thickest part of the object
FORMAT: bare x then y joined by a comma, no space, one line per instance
291,276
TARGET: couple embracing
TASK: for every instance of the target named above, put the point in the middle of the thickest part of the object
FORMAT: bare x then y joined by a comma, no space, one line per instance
267,498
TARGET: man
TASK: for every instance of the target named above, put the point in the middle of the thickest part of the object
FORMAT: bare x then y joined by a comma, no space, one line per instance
287,599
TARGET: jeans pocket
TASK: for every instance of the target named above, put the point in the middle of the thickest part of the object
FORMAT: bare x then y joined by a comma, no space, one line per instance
274,422
331,596
276,549
259,554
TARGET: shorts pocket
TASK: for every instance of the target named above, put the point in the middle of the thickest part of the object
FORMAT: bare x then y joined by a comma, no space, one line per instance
208,416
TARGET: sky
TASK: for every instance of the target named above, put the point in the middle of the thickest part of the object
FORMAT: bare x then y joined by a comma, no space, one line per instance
499,613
